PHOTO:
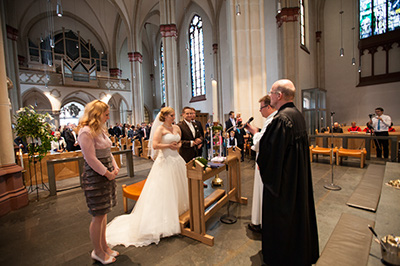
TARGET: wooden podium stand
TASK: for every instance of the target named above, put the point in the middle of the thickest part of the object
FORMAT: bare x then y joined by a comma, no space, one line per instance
197,215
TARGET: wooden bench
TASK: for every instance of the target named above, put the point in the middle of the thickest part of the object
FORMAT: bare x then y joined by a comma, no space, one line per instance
340,153
145,149
132,192
137,147
323,151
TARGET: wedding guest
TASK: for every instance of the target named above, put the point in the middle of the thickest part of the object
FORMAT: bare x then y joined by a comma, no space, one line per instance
232,141
99,175
354,127
336,128
58,144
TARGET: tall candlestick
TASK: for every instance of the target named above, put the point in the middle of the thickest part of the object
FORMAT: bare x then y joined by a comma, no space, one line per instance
215,100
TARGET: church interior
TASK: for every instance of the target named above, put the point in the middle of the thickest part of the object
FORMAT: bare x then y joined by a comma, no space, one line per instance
215,56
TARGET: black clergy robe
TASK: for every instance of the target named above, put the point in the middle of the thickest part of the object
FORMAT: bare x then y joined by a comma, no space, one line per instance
289,226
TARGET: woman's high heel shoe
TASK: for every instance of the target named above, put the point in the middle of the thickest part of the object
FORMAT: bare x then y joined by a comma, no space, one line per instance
113,253
110,260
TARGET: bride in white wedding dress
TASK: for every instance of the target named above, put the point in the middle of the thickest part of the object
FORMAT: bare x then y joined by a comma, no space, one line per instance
165,194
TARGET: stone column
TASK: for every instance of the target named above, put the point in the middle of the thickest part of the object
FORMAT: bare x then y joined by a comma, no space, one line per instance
288,24
12,64
136,59
169,35
56,116
216,78
13,194
248,57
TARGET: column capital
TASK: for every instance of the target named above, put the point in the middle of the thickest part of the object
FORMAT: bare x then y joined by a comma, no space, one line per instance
115,72
288,14
135,57
215,48
12,33
168,30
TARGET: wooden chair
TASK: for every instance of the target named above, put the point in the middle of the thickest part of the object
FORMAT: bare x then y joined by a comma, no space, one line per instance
132,192
340,153
323,151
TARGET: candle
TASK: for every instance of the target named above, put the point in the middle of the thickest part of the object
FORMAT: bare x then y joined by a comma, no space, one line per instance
215,100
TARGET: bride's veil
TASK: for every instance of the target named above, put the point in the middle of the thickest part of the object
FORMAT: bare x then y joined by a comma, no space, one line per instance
152,152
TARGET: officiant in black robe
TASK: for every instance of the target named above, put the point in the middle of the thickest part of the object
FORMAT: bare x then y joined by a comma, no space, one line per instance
289,226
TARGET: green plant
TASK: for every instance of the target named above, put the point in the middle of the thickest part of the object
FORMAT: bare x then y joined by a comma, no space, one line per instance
203,161
35,129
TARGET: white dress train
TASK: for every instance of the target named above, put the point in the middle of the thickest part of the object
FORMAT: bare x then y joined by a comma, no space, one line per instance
164,197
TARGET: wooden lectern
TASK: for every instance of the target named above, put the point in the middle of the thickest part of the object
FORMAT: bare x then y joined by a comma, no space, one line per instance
197,215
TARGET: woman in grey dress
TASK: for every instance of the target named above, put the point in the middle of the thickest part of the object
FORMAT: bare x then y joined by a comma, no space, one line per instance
98,180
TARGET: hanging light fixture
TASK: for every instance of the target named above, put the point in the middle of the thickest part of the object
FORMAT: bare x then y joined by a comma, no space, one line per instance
341,30
59,9
238,10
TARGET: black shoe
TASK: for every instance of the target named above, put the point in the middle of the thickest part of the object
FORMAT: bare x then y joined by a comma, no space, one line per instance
255,228
205,185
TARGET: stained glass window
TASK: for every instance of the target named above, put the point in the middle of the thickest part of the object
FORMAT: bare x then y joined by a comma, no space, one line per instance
302,24
365,19
378,17
162,72
197,68
393,14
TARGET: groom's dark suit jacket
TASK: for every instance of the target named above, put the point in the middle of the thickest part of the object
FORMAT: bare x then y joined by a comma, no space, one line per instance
187,152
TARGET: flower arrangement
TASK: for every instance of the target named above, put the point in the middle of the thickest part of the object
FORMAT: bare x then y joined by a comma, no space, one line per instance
35,129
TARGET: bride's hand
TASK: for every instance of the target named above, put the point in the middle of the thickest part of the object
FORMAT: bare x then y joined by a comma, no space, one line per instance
174,145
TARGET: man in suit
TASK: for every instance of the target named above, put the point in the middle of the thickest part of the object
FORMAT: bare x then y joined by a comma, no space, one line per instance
117,130
191,138
70,138
230,124
144,132
198,127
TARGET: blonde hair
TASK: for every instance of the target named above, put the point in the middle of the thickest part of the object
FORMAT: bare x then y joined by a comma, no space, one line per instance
92,116
165,111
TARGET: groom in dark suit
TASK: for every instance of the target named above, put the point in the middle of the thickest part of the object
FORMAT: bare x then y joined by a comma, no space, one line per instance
191,138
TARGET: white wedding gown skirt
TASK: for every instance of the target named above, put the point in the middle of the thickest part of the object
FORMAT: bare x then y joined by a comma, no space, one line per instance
164,197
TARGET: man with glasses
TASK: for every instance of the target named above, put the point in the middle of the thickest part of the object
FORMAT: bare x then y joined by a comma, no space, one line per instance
268,112
289,226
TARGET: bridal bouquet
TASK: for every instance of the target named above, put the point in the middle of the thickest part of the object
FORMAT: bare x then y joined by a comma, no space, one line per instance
35,129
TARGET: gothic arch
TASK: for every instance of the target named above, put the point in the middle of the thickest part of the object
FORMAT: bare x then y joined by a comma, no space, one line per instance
36,98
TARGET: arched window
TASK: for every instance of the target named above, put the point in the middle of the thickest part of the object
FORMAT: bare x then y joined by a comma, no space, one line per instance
302,24
197,69
162,73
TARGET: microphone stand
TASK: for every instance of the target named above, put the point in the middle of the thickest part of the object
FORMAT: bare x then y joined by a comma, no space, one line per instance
332,186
